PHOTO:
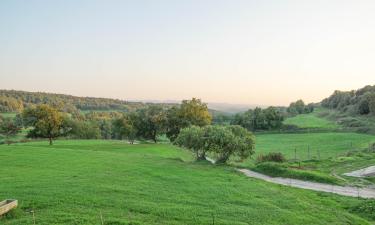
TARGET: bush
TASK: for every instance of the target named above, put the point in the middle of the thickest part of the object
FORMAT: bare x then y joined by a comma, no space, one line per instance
271,157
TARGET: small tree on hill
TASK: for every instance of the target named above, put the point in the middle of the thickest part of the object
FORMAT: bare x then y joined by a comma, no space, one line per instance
46,122
9,128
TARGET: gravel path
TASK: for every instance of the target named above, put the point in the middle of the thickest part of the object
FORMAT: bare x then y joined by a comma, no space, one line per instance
340,190
365,172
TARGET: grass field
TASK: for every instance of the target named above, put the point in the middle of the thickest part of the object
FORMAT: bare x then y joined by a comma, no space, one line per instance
8,115
328,144
311,120
78,182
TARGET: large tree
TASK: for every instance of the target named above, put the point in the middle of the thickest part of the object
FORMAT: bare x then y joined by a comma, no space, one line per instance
46,122
193,138
150,122
221,141
9,128
124,127
190,112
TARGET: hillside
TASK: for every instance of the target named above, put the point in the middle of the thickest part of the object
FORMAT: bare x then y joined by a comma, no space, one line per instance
15,101
109,182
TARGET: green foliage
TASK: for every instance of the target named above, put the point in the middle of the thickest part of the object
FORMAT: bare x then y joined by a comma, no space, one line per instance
75,181
222,141
299,107
259,119
271,157
190,112
359,102
46,122
124,127
9,128
78,129
193,138
15,101
9,104
150,122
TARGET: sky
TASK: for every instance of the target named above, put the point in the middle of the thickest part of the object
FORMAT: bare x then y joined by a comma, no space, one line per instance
267,52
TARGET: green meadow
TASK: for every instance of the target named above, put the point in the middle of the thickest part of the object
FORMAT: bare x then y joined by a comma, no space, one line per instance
110,182
312,145
312,120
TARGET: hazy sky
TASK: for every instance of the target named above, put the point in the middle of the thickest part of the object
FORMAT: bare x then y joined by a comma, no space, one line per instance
257,52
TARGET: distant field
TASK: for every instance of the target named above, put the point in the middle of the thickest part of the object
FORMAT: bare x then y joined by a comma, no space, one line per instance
328,144
80,182
8,115
311,120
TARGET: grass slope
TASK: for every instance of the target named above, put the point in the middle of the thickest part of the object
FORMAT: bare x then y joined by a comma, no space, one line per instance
75,182
328,144
312,120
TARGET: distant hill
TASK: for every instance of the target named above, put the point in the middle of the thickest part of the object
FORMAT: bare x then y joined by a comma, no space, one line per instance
15,101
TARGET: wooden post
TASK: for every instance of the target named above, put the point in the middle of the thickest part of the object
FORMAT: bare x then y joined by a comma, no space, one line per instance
295,154
308,152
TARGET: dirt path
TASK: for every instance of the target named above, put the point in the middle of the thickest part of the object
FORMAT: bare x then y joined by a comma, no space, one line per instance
340,190
365,172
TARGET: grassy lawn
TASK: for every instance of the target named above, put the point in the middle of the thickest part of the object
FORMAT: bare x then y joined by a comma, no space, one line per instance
8,115
311,120
326,145
78,182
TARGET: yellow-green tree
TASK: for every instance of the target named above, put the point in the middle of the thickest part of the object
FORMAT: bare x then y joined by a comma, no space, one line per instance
189,113
46,122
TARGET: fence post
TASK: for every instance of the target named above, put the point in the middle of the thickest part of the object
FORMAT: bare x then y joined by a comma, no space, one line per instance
295,154
308,152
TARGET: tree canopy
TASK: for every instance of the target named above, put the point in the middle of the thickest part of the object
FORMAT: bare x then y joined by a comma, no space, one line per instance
46,122
220,141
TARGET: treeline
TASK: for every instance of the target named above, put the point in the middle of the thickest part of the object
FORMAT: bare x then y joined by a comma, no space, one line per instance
149,122
299,107
16,101
355,102
259,119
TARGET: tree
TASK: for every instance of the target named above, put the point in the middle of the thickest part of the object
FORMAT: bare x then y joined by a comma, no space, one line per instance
124,128
259,119
222,141
227,141
193,139
46,122
150,122
190,112
9,128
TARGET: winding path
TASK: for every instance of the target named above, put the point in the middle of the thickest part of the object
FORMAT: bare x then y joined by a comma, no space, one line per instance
340,190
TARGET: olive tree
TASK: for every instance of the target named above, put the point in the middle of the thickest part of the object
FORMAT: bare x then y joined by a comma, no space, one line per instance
221,141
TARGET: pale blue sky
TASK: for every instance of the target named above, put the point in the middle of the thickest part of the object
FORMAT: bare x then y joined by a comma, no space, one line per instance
255,52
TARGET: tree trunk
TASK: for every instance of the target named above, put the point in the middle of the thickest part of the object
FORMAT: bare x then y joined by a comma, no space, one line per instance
50,140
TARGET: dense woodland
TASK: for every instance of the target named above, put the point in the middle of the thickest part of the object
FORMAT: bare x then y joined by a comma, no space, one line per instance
355,102
16,101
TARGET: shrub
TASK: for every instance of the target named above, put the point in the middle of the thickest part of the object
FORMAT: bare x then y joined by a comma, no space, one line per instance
271,157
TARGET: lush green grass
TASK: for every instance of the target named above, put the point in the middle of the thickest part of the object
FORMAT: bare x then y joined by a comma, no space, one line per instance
77,182
8,115
311,120
326,145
